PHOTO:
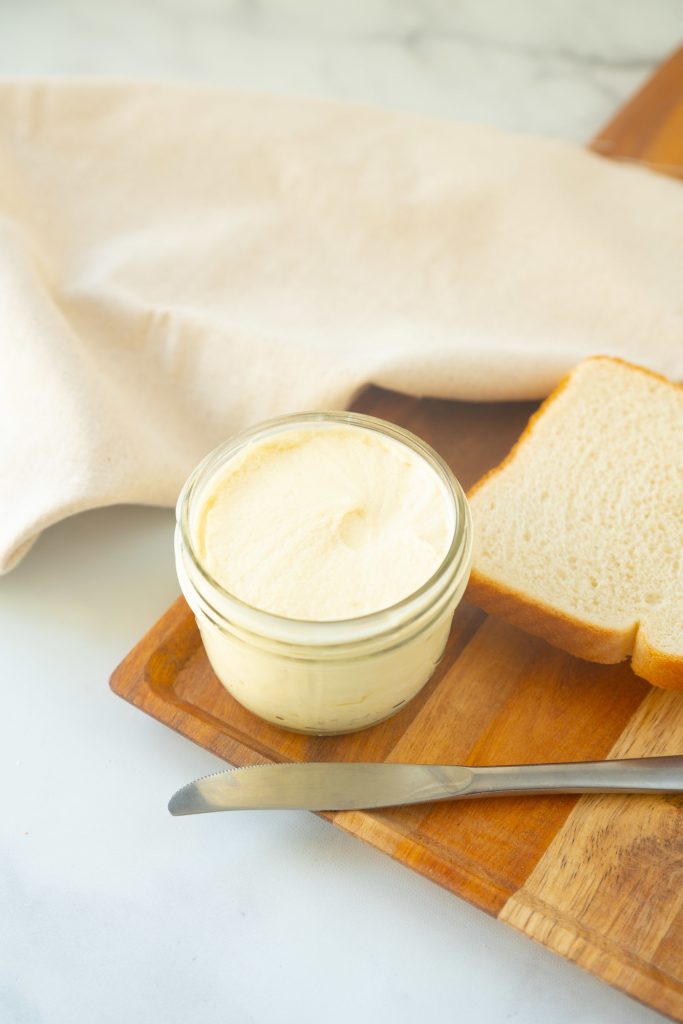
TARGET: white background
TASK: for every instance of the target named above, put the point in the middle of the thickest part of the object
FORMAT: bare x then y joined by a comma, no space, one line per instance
110,909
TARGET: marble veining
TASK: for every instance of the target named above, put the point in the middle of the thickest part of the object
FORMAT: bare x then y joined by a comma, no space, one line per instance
553,68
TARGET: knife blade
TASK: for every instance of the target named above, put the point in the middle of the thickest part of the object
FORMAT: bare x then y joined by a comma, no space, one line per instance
330,786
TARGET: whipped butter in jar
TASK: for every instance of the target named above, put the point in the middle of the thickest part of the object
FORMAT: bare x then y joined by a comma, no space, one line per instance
323,556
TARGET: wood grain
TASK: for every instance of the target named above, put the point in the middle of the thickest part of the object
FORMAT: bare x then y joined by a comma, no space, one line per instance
612,907
598,879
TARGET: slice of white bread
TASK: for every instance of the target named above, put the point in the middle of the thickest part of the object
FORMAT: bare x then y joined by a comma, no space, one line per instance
579,531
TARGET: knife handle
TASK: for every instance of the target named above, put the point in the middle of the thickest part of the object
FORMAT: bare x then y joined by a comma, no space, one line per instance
634,775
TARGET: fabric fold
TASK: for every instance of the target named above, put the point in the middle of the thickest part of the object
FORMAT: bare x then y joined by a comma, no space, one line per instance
178,262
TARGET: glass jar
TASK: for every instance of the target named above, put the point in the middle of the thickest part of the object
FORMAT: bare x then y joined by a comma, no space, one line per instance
332,676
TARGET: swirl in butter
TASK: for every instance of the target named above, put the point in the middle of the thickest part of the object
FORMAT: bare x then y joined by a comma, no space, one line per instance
323,524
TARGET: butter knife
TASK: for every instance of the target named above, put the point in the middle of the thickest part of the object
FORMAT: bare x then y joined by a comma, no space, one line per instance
352,786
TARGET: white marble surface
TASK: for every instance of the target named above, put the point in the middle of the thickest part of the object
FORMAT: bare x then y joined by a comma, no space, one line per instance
111,909
555,67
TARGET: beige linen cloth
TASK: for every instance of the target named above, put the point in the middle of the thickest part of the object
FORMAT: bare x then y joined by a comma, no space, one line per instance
177,263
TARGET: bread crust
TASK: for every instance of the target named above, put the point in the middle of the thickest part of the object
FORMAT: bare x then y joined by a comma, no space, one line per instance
583,639
594,643
658,667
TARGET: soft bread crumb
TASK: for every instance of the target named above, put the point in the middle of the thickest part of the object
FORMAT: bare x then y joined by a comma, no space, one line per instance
579,532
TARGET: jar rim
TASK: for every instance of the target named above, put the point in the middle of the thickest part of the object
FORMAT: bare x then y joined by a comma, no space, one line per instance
333,631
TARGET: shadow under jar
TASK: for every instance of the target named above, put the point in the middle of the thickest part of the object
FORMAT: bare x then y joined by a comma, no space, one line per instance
331,676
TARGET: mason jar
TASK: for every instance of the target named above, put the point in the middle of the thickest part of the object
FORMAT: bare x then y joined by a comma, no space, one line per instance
323,677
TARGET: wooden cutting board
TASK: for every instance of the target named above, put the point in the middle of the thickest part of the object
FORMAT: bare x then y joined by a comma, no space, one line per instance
598,879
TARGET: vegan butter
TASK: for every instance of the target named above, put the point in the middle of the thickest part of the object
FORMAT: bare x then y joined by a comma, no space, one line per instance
323,556
324,524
